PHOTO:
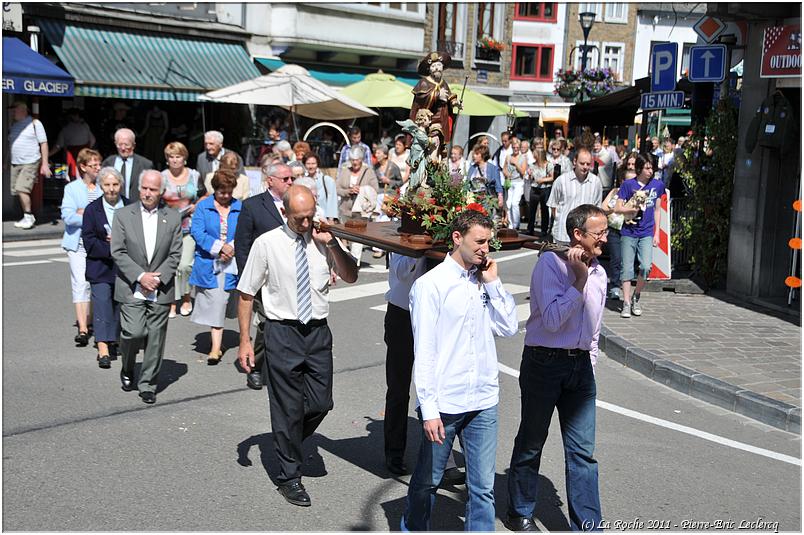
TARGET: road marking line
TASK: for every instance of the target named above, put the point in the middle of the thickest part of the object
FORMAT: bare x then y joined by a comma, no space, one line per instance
522,311
680,428
30,243
356,292
29,263
34,252
60,259
516,256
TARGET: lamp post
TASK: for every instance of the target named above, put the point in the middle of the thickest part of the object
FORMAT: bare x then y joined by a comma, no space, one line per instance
511,119
587,19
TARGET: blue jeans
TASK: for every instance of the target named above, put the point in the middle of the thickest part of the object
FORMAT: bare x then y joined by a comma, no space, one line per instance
568,383
477,431
616,257
642,248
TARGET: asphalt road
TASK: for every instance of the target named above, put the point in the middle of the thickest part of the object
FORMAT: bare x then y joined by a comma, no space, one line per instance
81,455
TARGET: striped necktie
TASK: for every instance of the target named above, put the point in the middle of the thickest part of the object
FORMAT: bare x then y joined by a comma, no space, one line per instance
304,302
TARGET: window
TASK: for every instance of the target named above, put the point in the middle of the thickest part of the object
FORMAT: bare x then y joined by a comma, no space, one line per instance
536,11
532,62
593,7
617,12
592,55
613,58
412,7
450,29
485,19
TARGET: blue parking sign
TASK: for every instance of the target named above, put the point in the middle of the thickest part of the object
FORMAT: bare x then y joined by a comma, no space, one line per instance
663,66
707,63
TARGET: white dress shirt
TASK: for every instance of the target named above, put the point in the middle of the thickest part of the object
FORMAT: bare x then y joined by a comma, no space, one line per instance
150,218
454,318
271,267
568,193
118,164
402,273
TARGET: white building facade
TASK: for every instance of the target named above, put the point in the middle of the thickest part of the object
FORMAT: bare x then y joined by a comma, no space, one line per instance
665,23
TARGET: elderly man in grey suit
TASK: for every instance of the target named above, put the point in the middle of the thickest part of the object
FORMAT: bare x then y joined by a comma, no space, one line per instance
146,247
209,160
129,164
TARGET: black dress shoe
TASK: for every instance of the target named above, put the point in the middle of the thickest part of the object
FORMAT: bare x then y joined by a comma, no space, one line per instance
295,494
453,476
520,523
254,380
126,382
104,362
148,397
396,465
82,339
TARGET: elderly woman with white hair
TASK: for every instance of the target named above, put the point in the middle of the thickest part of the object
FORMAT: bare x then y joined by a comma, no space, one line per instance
356,182
101,272
285,151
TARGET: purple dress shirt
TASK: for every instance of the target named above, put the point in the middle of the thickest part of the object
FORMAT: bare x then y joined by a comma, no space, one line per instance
560,316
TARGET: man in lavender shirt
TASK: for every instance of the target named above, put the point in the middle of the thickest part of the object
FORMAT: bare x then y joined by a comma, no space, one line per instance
567,295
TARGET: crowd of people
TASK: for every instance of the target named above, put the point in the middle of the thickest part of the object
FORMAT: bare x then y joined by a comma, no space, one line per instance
141,241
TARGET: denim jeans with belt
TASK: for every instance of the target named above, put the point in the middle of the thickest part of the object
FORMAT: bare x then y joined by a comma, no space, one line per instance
547,380
477,431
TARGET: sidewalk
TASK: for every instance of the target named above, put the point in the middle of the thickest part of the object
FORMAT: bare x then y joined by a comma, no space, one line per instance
43,230
716,348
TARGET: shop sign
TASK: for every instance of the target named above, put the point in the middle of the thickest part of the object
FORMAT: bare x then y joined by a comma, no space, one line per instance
781,52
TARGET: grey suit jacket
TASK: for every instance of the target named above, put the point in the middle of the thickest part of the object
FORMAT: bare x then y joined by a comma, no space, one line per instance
204,165
128,252
140,163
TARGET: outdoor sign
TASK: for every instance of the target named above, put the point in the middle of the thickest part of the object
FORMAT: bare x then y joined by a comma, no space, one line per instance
482,76
781,52
662,100
707,63
709,28
663,61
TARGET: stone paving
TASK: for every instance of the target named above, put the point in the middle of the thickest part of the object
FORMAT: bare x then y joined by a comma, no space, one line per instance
717,335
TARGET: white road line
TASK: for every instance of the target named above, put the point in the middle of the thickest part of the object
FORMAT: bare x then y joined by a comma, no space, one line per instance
34,252
60,259
516,256
680,428
30,243
29,263
356,292
522,311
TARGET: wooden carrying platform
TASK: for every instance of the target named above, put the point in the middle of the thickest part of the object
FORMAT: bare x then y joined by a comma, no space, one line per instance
386,236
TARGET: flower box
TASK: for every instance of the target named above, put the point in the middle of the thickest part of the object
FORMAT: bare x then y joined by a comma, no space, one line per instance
486,54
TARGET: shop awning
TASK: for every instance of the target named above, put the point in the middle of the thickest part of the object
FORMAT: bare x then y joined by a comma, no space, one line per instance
26,72
333,78
117,63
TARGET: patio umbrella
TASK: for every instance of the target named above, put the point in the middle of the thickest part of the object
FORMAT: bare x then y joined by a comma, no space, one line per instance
475,104
292,88
380,90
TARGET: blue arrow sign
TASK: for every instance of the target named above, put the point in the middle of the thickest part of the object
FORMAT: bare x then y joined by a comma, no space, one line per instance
663,61
662,100
707,63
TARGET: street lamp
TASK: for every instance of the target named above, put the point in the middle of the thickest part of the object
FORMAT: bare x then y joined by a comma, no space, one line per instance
587,19
511,119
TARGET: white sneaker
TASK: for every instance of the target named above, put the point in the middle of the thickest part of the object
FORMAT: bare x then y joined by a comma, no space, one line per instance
636,310
626,311
27,222
21,222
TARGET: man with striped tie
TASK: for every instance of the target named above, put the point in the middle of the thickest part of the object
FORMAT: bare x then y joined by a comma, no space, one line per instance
291,265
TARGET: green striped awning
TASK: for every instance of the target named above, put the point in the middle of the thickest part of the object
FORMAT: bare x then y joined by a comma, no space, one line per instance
117,63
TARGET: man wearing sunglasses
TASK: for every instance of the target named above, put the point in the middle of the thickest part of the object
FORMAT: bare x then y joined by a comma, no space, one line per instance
260,214
567,295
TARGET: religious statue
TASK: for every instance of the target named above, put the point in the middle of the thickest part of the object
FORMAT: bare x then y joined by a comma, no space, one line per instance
432,92
421,147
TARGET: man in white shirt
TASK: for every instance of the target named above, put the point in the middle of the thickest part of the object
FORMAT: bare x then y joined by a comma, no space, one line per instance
146,247
456,309
604,164
503,151
573,189
29,159
290,265
128,163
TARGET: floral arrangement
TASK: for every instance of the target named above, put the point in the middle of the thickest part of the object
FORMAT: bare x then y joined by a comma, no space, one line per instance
435,206
592,82
490,44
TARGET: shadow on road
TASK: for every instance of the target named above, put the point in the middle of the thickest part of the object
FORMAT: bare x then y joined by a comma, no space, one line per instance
203,342
169,373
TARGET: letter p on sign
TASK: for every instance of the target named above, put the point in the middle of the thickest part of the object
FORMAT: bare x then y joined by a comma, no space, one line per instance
663,66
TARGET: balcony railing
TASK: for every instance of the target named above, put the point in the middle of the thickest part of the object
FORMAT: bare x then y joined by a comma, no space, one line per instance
453,48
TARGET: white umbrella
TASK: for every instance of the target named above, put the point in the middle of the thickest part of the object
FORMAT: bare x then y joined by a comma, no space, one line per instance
292,88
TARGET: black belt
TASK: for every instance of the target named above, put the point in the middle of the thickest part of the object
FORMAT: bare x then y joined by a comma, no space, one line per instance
297,323
558,352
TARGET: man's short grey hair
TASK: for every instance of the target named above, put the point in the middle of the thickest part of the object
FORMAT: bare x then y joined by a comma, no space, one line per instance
110,171
161,179
357,153
274,168
295,163
214,135
125,132
307,182
283,145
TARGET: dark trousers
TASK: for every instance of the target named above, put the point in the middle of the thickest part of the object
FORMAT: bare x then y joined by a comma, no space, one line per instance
547,381
105,312
538,198
398,369
259,337
299,362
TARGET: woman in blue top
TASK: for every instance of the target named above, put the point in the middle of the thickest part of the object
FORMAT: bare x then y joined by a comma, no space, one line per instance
640,232
77,195
485,177
214,271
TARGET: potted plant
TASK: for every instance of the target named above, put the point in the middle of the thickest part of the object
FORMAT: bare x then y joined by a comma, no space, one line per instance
488,49
578,85
567,84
